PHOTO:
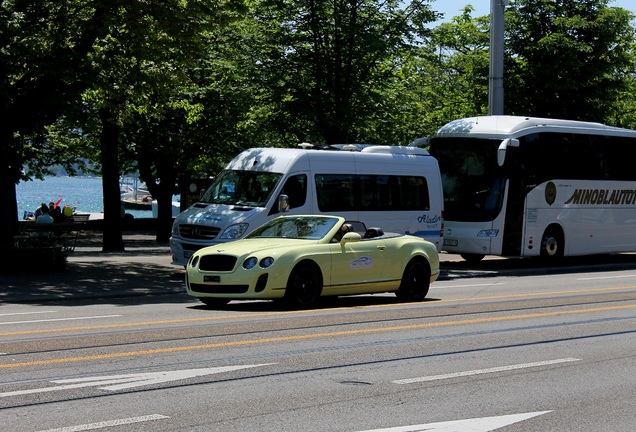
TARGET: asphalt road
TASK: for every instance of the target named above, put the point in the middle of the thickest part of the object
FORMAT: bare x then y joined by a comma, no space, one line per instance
113,343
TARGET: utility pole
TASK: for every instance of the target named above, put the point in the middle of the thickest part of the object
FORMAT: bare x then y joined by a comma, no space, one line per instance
495,79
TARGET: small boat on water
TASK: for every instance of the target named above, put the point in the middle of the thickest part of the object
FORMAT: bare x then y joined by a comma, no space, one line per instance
134,195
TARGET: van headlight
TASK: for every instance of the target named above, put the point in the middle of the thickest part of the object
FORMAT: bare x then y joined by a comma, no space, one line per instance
234,232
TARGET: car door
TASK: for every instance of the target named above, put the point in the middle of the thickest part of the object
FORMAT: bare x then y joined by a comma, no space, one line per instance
356,263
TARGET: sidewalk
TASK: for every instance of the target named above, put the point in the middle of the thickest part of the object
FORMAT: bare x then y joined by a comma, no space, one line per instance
144,269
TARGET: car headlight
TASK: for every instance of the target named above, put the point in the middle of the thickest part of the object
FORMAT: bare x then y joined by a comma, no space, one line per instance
266,262
250,263
194,261
175,228
234,232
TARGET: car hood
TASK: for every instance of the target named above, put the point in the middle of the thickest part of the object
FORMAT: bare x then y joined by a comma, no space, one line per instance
253,246
221,215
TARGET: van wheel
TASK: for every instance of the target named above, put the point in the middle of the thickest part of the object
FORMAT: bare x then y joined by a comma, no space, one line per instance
472,257
215,302
552,243
304,285
415,281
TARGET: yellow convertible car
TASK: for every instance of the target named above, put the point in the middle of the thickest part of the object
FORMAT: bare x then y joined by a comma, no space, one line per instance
298,259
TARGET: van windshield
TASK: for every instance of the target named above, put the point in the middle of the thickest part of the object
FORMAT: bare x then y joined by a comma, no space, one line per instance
247,188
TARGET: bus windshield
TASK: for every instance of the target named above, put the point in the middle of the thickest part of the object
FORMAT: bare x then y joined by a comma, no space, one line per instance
473,182
246,188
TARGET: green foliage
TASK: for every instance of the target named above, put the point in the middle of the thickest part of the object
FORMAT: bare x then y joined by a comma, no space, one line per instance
460,56
324,66
568,59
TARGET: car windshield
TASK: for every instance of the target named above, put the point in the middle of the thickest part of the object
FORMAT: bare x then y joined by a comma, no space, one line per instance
248,188
297,227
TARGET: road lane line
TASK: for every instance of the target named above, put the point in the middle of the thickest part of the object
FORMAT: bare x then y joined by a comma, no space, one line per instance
470,286
109,423
317,311
606,277
26,313
483,371
59,319
312,336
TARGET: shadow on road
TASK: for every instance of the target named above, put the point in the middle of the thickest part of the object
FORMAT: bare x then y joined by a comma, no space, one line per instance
97,282
536,266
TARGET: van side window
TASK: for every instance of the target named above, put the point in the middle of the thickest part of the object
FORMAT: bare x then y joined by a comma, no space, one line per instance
296,189
354,192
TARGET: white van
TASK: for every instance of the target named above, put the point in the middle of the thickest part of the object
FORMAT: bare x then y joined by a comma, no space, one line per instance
394,188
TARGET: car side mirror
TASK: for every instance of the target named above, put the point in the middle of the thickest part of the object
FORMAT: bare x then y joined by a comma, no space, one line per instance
351,237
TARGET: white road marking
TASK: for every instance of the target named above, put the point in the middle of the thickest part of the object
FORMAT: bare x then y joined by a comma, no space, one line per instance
607,277
483,424
483,371
27,313
121,382
467,286
60,319
109,423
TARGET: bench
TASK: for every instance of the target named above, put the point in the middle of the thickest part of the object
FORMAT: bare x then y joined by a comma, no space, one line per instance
62,234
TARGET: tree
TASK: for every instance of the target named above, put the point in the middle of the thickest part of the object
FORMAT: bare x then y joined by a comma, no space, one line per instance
142,68
326,64
43,70
567,58
459,68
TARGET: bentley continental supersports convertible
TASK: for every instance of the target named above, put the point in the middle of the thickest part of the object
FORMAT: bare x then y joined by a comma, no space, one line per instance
298,259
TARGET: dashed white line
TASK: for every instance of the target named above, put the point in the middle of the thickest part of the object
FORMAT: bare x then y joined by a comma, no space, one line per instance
109,423
59,319
27,313
606,277
483,371
441,285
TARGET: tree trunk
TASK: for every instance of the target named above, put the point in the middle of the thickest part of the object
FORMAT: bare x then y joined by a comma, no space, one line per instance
164,215
9,175
162,191
109,142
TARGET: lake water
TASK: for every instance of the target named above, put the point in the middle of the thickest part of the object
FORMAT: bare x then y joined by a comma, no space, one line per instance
84,193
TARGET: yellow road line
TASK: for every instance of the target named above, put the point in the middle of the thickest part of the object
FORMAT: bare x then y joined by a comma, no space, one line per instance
310,336
269,314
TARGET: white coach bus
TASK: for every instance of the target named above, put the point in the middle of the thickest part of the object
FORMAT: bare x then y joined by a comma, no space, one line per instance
395,188
521,186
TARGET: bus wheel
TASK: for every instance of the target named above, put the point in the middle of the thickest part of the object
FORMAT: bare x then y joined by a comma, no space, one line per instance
304,285
415,281
472,257
552,243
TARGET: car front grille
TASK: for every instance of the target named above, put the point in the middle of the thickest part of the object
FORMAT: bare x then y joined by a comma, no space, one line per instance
200,232
217,263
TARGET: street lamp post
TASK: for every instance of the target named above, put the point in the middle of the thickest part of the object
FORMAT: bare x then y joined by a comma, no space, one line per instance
495,79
